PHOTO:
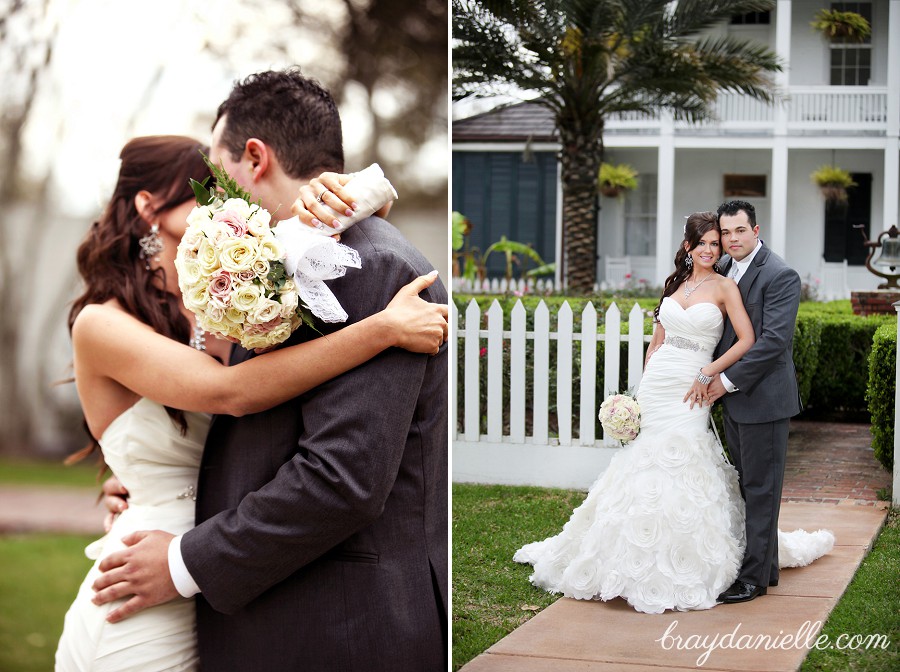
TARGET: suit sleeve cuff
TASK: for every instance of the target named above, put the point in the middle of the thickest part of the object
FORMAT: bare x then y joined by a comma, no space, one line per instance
181,577
729,386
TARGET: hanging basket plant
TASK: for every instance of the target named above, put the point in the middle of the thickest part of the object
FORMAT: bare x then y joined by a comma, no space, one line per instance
616,179
833,182
845,26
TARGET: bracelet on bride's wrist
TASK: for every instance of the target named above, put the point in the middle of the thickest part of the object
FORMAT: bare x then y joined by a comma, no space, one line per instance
703,379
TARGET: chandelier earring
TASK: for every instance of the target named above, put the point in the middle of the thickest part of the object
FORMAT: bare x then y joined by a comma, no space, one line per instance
689,261
151,245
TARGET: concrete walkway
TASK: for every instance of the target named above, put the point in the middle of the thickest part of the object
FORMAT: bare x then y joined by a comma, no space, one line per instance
31,508
831,482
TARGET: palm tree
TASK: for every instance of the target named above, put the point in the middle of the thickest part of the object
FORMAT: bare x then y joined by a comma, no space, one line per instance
589,59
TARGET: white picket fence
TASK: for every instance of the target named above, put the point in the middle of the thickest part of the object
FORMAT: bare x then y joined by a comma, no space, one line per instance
569,459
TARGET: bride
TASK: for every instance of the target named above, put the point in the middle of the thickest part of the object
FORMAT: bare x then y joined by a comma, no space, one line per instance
663,526
147,381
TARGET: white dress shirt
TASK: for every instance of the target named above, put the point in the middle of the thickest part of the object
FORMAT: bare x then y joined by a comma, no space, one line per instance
737,270
181,577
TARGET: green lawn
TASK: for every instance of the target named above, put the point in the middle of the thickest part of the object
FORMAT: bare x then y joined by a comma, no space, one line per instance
39,576
492,596
49,472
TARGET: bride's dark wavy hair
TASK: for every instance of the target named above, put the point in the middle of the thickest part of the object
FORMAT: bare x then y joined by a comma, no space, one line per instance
109,258
697,226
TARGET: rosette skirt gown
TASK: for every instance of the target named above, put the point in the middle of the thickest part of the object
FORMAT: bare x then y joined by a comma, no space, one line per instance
663,526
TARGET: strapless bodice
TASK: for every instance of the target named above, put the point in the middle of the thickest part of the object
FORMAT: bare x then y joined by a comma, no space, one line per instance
700,323
151,458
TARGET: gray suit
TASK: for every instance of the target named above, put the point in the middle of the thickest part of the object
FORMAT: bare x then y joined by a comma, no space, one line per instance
322,523
757,415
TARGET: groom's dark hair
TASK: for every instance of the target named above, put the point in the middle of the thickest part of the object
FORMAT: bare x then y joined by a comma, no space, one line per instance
291,113
731,208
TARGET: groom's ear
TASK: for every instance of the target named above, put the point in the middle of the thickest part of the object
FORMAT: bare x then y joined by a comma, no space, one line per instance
260,157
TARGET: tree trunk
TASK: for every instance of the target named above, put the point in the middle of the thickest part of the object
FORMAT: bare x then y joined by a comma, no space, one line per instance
580,158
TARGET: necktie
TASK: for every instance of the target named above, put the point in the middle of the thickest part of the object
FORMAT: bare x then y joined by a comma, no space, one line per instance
733,271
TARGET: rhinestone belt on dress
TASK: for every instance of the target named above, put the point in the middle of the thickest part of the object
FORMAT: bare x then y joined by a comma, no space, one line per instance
683,343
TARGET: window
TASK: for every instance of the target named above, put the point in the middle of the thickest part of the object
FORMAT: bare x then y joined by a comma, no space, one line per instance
640,218
744,185
751,19
851,62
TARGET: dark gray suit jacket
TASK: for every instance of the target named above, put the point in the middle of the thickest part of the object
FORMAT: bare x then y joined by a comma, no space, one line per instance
765,375
321,541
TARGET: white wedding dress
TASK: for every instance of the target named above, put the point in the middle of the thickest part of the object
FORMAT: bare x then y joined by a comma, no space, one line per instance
159,468
663,526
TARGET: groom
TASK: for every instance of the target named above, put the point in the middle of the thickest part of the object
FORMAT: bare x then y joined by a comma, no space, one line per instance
321,538
760,391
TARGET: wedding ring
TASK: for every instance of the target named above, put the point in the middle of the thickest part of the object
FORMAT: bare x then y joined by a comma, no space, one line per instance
319,197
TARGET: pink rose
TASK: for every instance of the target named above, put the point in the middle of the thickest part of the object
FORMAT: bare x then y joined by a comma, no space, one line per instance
236,224
220,284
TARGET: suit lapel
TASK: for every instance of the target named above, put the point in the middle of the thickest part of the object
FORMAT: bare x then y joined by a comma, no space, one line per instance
752,271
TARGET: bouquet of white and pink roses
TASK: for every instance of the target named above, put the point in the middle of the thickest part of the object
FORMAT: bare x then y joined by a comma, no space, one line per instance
620,417
250,283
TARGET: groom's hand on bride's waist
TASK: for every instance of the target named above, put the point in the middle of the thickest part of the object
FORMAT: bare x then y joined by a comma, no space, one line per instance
139,572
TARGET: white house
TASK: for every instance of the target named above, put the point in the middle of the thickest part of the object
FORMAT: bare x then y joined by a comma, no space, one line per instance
841,106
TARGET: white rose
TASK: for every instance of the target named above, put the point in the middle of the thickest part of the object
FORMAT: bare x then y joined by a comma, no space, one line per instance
653,595
693,597
245,297
238,254
260,267
238,205
197,297
611,585
234,315
637,563
280,333
674,454
643,530
697,483
199,215
207,258
582,578
264,311
682,515
289,302
190,241
270,248
650,487
683,565
260,217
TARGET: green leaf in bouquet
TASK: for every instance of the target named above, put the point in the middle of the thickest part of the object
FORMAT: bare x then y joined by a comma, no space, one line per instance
308,318
202,193
226,183
277,276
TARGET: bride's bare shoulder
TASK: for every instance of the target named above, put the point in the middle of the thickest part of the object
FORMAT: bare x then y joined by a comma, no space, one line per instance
102,319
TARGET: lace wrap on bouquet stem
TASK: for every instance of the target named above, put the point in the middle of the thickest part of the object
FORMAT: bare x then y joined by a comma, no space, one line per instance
311,259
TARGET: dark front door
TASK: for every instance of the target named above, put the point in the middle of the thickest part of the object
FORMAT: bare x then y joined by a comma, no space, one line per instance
842,241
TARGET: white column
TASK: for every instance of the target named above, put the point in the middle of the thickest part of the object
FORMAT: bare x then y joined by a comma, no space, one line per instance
774,232
665,199
783,50
892,144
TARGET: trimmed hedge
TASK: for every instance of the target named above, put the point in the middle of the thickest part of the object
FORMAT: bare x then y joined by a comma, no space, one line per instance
882,386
